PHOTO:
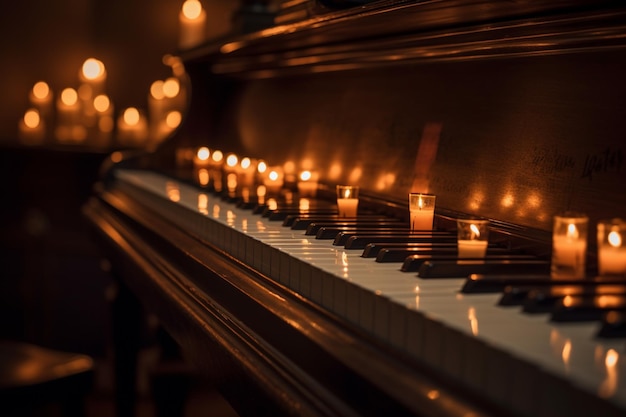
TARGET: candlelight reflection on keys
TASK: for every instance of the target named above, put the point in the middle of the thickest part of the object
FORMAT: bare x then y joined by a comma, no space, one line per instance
347,200
612,247
569,245
473,236
422,209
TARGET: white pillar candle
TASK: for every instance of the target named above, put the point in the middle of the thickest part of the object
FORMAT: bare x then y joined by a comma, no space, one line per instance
422,211
347,200
569,246
612,247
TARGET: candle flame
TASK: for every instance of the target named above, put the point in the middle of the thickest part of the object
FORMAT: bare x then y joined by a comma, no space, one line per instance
305,175
131,116
173,119
203,153
41,90
93,69
273,175
347,193
31,118
217,156
475,231
192,9
101,103
572,231
231,160
156,90
245,163
615,239
171,87
69,96
261,167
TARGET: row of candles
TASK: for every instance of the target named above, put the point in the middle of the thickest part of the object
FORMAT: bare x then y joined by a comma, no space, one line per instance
569,237
85,115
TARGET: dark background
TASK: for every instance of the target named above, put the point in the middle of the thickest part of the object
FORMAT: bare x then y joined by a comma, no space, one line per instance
53,287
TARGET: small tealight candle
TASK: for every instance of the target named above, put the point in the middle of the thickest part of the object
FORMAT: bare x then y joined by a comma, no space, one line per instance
569,245
347,200
472,237
307,183
612,247
274,179
422,210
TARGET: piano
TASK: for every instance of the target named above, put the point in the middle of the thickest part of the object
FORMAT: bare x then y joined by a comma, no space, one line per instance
507,111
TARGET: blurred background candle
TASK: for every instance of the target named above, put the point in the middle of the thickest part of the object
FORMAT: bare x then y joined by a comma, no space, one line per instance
273,179
93,78
40,98
192,21
307,183
569,245
472,237
347,200
68,115
31,128
132,127
422,210
104,121
612,247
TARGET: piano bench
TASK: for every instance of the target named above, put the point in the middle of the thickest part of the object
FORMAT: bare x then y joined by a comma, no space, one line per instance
37,381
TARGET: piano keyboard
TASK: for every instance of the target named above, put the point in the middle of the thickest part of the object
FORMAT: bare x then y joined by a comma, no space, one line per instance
521,361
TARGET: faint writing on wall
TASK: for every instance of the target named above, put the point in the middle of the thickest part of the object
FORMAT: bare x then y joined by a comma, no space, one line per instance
604,162
551,161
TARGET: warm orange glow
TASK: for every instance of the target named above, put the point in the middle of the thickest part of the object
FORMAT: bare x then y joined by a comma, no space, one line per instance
305,175
572,231
173,119
116,156
203,153
246,163
615,239
131,116
41,90
232,160
69,96
156,90
192,9
171,87
93,69
218,156
101,103
203,176
261,167
273,175
105,124
31,118
475,231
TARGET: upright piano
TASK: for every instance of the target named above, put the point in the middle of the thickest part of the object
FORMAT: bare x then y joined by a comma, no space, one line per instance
511,111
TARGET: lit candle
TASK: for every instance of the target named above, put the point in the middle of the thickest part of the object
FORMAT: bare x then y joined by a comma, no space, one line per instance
569,245
104,120
472,237
192,21
422,211
612,247
93,78
31,128
40,97
274,179
347,200
307,183
69,128
132,127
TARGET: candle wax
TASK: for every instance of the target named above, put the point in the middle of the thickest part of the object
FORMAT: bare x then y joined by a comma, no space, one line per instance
347,206
472,248
422,219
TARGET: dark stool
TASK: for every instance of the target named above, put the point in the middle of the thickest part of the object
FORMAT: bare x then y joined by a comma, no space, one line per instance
36,381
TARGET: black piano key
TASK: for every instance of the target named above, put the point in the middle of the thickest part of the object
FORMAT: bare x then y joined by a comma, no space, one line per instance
387,255
613,325
413,262
359,241
372,250
544,299
301,222
288,216
354,225
482,283
463,268
578,308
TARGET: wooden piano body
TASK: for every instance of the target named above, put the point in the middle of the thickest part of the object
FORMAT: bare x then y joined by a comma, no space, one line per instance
513,111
